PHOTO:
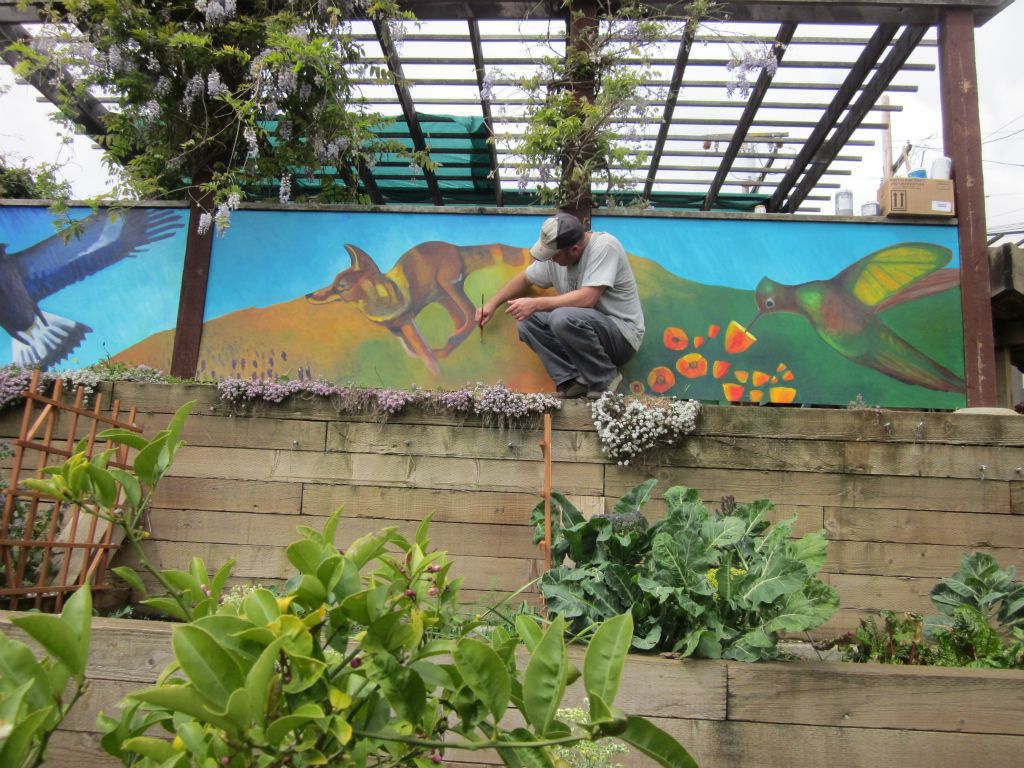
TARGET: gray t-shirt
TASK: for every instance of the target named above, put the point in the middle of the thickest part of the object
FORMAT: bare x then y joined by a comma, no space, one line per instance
603,264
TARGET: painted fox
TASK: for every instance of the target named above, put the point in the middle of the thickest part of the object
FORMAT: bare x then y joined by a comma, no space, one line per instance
425,274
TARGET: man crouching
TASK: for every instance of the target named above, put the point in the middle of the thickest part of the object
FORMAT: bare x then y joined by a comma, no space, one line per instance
594,325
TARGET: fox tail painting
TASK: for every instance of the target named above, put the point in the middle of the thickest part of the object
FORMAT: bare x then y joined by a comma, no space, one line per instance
428,273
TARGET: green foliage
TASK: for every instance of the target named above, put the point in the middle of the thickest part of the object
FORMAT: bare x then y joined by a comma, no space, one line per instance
34,694
970,641
696,582
573,135
123,497
898,640
587,754
981,584
358,664
222,99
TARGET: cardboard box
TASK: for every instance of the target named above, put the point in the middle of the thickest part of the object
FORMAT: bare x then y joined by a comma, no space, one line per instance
902,196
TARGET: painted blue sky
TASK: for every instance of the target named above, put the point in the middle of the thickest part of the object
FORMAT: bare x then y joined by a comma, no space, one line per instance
123,304
297,252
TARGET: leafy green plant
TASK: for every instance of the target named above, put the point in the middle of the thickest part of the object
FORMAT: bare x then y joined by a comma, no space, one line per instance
970,641
587,754
351,668
697,582
899,639
122,497
34,694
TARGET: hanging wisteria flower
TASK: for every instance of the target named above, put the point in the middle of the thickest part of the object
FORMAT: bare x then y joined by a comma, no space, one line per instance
487,88
284,192
214,86
195,88
205,222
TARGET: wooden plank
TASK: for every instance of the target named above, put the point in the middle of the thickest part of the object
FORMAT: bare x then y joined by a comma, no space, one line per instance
447,505
242,432
479,539
367,469
977,462
228,495
258,562
961,141
877,696
464,441
862,424
873,558
830,490
906,526
74,749
872,593
770,453
767,745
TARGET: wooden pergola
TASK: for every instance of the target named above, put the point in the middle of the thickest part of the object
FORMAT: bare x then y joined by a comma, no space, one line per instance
808,140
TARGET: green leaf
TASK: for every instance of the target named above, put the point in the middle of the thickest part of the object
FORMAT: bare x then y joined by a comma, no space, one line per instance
780,576
77,616
483,671
529,631
212,670
331,526
125,437
146,460
129,576
130,485
656,744
305,555
723,532
177,423
544,681
634,499
104,486
405,692
421,531
18,743
154,749
606,655
260,607
18,665
302,716
811,550
184,699
166,605
52,633
535,757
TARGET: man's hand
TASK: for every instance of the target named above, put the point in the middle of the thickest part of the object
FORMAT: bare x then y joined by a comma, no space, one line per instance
484,314
521,309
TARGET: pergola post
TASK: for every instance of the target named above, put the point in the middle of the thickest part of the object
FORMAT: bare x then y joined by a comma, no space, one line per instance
195,273
581,28
961,132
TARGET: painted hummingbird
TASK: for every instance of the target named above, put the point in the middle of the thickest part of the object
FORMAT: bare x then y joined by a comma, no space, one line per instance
844,311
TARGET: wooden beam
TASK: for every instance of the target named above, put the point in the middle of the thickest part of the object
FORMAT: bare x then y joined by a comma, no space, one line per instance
827,153
485,107
670,105
851,85
961,135
764,79
188,334
405,99
88,112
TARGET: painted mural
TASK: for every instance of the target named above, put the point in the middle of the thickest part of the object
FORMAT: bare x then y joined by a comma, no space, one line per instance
736,310
71,299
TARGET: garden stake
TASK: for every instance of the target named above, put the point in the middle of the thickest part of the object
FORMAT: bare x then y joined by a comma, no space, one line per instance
482,297
545,449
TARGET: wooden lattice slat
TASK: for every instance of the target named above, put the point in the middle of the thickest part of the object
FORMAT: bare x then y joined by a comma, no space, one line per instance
49,548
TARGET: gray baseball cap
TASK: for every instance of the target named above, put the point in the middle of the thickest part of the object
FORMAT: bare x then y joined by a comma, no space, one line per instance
557,232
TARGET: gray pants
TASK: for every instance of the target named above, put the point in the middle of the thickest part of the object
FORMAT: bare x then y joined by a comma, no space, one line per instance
576,343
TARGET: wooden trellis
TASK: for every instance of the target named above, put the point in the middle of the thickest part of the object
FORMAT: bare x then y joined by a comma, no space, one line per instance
48,549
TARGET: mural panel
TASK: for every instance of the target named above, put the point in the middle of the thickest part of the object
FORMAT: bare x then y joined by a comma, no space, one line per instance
67,303
751,311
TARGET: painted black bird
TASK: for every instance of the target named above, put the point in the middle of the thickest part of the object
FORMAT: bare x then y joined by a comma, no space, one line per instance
40,339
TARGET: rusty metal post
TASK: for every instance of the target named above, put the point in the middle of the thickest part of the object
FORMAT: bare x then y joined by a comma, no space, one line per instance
192,302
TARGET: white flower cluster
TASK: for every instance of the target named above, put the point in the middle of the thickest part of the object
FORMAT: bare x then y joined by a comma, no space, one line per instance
628,427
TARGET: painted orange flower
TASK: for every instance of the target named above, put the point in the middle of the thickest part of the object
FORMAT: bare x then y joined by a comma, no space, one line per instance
782,394
713,331
737,338
756,395
733,392
759,378
661,379
698,342
675,339
787,376
636,387
780,367
720,368
742,376
693,365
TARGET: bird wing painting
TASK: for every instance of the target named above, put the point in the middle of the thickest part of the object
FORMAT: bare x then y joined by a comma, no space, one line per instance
40,338
843,311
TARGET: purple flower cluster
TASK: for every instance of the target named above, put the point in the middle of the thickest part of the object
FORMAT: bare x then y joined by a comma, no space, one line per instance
13,382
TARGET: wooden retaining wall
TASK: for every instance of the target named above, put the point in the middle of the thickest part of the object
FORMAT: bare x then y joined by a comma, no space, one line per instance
727,714
901,494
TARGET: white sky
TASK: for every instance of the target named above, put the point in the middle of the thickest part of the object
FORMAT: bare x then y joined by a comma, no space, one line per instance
26,132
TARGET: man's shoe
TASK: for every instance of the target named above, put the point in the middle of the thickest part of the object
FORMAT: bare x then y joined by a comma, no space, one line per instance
611,386
572,389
